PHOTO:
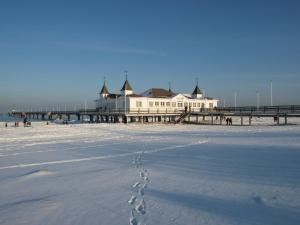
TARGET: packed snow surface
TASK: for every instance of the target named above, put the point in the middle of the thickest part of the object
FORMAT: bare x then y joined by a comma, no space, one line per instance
150,174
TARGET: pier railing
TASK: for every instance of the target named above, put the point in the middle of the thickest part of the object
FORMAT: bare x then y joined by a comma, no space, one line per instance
261,109
282,109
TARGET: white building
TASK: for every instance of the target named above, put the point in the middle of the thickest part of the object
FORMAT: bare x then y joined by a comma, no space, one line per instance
152,100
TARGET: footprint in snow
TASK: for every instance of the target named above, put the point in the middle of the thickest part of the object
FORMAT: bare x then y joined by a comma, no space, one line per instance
258,200
137,184
132,200
141,207
132,219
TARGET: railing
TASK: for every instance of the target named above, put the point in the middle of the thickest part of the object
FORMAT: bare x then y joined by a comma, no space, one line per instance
245,109
261,109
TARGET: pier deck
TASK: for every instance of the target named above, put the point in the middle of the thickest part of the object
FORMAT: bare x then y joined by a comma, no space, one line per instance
215,115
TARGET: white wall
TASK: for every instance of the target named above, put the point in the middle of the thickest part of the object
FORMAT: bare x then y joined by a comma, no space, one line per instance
160,104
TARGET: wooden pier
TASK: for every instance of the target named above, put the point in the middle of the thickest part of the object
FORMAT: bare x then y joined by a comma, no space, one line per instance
215,116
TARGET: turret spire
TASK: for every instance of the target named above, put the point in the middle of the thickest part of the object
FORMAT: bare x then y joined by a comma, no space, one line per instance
126,89
104,91
197,93
170,90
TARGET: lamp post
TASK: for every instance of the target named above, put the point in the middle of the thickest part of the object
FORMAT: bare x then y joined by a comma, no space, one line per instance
257,100
116,103
235,97
125,101
271,92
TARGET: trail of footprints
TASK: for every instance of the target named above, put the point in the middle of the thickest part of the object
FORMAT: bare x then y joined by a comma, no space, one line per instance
137,201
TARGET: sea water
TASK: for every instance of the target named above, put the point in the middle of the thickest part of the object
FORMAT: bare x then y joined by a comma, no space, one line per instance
6,118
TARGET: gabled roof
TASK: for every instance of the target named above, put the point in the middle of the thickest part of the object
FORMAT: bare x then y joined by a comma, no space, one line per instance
104,89
197,90
158,93
126,86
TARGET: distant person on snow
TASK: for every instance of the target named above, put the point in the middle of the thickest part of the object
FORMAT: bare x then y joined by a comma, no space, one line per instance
25,121
230,121
227,121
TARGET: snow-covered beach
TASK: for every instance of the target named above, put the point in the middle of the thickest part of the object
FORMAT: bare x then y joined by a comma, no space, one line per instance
84,174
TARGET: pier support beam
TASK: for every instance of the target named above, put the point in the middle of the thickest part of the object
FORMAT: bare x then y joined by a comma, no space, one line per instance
285,120
250,118
69,117
221,119
212,120
277,120
242,121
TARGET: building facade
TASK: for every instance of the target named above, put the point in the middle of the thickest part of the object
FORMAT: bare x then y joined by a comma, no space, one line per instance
152,100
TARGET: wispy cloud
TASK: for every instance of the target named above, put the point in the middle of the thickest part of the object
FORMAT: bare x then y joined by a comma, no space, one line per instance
110,47
84,46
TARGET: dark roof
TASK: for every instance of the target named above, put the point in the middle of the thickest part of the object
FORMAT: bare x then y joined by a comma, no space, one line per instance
113,96
104,89
159,93
118,95
197,90
134,95
126,86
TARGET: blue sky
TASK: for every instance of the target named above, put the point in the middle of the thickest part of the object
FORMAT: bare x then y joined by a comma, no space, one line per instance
57,52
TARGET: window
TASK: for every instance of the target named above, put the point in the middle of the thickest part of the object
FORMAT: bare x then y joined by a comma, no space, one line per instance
190,104
162,103
138,104
202,105
186,104
211,105
173,104
150,104
194,104
179,104
156,103
198,105
168,104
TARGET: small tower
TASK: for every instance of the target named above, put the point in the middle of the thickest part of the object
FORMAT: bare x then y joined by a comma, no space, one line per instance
197,93
104,91
170,90
126,89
